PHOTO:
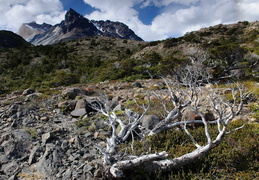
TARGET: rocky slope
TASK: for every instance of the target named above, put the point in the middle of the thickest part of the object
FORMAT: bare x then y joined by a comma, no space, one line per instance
29,30
75,26
55,136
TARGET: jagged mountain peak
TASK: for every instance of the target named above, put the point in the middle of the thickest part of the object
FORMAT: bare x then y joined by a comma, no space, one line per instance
116,29
72,16
76,22
76,26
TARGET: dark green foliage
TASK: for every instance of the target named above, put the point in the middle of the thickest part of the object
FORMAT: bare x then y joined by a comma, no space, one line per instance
9,39
101,58
236,157
172,42
192,38
229,53
205,33
62,78
151,59
172,64
153,43
66,63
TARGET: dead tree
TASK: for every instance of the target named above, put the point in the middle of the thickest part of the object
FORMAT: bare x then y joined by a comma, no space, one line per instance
192,96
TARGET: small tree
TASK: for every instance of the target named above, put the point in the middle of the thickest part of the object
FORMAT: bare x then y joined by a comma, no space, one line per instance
192,96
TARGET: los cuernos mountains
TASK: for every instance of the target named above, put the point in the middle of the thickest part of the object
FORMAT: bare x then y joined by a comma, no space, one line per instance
74,26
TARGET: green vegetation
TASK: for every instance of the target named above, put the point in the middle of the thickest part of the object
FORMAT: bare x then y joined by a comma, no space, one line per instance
235,158
9,39
32,131
79,61
232,49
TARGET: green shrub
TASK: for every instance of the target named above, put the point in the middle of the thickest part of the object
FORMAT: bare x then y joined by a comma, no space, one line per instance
62,78
237,157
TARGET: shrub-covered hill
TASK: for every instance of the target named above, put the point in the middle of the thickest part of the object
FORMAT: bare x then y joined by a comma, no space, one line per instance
78,61
228,51
9,39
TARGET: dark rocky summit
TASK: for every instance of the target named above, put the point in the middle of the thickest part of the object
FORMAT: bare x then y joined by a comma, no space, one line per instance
73,27
116,29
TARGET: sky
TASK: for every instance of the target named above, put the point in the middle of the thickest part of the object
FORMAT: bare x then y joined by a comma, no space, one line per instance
150,19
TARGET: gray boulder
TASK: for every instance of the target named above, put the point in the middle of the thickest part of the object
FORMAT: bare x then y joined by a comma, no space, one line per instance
28,91
82,103
51,161
72,93
67,106
78,112
150,121
137,84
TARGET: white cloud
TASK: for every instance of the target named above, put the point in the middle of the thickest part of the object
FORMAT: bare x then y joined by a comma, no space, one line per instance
161,3
248,10
194,17
177,17
16,12
123,11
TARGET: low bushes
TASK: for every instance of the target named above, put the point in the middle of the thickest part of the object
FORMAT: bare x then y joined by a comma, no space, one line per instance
237,157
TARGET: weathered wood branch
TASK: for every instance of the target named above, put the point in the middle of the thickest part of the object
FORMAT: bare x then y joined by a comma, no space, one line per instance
194,97
117,168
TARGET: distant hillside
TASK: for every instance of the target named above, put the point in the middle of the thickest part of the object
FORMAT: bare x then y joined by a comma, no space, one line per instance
225,52
9,39
75,26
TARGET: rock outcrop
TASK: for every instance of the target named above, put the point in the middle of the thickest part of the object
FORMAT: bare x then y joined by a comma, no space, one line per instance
29,30
55,137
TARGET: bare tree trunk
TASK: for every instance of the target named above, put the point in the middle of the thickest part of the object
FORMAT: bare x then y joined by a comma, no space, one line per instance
192,96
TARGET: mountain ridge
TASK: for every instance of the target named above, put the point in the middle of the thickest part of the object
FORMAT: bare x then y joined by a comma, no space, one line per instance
74,26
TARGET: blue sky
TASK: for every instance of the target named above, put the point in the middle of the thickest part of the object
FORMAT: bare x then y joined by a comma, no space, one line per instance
146,15
149,19
78,5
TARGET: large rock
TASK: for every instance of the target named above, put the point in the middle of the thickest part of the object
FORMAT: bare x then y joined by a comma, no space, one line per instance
14,147
82,103
72,93
35,154
67,106
150,121
137,84
31,97
46,137
92,103
78,112
85,106
28,91
51,161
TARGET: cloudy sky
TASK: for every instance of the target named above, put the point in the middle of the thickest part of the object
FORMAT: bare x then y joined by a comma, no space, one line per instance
149,19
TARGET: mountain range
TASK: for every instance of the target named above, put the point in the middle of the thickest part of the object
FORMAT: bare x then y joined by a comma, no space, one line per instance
73,27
